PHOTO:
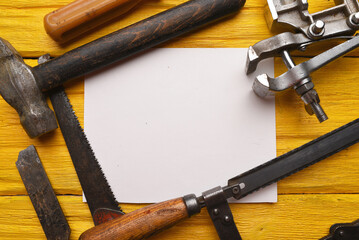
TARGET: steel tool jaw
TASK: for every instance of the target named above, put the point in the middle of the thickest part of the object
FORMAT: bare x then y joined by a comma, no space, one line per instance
340,21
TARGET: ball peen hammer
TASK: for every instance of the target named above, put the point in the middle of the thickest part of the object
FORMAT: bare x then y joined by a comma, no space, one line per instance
21,85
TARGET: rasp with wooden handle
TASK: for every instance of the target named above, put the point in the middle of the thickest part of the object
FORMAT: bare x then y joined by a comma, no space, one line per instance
151,219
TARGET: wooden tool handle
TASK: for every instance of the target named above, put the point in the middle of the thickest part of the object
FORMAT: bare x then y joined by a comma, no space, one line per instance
61,21
133,39
141,223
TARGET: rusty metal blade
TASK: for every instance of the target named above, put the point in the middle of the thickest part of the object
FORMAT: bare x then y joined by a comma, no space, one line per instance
99,196
43,198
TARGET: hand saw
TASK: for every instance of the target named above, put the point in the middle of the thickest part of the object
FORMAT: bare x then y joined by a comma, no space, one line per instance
151,219
101,201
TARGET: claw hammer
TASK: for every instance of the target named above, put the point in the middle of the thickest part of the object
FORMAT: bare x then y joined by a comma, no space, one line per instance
22,86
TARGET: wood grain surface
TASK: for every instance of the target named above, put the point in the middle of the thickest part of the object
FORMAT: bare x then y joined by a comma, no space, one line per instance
309,201
140,224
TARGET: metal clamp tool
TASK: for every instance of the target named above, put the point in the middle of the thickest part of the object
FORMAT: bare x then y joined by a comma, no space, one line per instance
218,209
341,21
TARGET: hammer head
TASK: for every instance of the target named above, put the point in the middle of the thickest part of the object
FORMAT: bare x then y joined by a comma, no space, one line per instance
19,88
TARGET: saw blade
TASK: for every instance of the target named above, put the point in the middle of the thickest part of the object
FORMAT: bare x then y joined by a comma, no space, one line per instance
43,198
297,159
97,191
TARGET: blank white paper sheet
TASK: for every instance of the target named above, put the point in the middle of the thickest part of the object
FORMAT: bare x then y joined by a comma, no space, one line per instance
176,121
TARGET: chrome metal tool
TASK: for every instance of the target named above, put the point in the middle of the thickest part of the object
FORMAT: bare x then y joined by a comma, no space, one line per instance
301,29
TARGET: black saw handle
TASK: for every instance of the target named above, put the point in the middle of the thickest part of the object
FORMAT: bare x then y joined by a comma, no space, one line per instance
132,39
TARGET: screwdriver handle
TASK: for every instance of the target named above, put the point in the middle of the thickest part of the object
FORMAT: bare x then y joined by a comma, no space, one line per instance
59,23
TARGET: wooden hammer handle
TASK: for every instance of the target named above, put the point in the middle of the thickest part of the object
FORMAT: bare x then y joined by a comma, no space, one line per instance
141,223
133,39
62,20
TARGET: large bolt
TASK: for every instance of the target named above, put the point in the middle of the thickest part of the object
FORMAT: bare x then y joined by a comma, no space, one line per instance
318,27
355,18
311,99
316,30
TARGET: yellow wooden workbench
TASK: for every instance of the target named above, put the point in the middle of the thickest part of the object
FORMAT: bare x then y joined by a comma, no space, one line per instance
308,202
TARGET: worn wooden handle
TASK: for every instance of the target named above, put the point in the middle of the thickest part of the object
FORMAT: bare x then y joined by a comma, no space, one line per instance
59,22
141,223
133,39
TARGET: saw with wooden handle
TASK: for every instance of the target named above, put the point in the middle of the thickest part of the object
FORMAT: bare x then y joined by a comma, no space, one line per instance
151,219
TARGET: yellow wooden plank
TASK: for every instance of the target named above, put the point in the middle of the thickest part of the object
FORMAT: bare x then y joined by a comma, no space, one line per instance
21,24
51,148
293,217
339,96
19,220
18,28
337,88
160,4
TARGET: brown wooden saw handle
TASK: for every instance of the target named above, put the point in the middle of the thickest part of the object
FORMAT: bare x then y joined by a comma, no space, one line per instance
62,20
141,223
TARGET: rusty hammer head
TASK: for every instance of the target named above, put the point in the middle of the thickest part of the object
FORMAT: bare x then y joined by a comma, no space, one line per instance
19,88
